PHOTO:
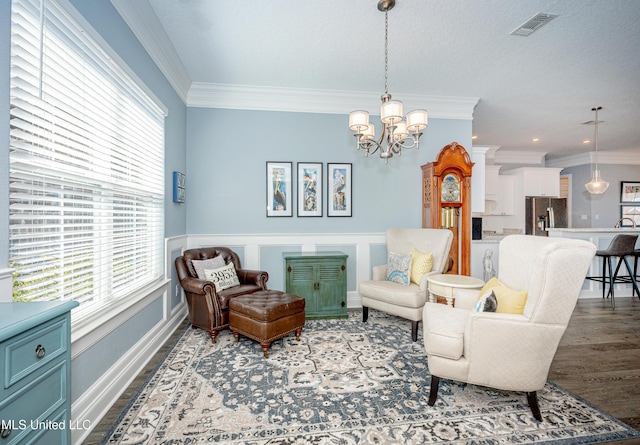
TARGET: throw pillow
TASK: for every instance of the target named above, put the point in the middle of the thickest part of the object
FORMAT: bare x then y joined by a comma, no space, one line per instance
210,263
399,268
510,301
421,263
223,277
487,303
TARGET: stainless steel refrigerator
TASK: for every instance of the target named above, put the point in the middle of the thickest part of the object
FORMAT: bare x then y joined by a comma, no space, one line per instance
545,213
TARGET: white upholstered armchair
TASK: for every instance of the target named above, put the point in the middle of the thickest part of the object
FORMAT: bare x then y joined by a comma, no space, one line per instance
509,351
399,299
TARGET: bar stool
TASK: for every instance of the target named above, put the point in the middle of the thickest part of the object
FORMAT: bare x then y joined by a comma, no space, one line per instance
636,254
620,247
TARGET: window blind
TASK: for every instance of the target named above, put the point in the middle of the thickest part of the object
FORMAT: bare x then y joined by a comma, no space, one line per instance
86,166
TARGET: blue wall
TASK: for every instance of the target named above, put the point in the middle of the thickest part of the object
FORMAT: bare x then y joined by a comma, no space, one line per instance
227,152
601,210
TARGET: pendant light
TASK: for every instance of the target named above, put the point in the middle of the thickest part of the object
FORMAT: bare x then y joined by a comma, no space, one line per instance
597,185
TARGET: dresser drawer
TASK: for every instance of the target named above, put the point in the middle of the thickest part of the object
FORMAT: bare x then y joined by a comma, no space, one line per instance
33,407
34,349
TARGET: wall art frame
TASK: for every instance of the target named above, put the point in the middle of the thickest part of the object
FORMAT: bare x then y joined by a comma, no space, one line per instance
179,187
629,192
309,193
339,190
632,212
279,189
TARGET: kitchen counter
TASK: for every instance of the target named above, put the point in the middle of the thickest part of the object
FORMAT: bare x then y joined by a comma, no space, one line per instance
557,232
601,237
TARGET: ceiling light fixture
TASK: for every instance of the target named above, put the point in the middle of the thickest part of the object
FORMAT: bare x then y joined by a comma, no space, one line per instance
396,133
597,185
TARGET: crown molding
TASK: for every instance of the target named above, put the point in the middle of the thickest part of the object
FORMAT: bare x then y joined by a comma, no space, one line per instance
301,100
607,157
520,157
143,22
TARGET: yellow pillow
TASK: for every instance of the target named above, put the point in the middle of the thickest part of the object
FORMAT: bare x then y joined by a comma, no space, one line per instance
510,301
421,264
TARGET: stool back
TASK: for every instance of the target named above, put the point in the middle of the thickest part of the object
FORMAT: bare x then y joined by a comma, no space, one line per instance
621,245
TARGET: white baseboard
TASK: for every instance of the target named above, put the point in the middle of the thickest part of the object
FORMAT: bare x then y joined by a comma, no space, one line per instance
94,403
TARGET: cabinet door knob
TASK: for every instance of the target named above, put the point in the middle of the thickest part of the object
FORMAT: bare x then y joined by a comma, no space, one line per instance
342,304
289,269
342,267
40,351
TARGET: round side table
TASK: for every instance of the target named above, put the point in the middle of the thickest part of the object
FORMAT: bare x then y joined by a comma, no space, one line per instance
443,285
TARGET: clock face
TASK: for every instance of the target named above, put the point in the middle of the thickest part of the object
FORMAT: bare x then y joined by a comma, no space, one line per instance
451,188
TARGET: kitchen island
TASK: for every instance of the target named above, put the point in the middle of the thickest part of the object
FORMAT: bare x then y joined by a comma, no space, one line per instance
601,237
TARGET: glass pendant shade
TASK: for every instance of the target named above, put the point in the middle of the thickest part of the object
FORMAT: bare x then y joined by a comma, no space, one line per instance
597,185
369,133
391,111
417,120
358,120
400,132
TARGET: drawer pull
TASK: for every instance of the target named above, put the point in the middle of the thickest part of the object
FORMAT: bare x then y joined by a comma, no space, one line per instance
40,351
6,432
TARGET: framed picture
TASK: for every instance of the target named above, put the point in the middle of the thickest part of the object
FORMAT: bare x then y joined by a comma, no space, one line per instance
279,189
629,192
309,189
179,187
339,197
632,212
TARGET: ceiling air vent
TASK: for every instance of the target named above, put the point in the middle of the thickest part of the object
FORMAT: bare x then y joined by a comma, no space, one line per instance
533,24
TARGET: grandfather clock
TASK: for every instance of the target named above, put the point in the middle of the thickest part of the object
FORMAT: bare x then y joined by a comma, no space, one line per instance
446,201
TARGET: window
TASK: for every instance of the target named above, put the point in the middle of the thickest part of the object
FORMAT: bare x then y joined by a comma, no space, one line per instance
86,166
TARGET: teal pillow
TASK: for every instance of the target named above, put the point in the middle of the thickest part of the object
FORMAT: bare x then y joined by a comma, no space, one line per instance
399,268
487,302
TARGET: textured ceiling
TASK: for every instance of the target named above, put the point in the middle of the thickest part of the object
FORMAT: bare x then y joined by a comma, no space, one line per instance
540,86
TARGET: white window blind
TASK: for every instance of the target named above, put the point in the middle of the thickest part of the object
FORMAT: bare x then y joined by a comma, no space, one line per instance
86,166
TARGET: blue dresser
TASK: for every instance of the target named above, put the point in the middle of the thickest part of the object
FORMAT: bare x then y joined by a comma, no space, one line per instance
35,372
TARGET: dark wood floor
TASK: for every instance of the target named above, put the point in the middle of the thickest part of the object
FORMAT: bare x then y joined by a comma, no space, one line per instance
598,360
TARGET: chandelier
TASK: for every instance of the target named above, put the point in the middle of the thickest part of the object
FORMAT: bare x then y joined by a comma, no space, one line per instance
597,185
396,132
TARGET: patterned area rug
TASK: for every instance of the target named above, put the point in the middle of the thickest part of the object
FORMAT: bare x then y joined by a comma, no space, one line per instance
345,382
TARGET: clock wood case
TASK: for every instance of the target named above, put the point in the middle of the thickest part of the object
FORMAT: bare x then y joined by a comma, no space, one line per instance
446,201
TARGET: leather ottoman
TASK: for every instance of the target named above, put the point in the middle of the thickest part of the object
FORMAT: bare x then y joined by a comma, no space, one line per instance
266,316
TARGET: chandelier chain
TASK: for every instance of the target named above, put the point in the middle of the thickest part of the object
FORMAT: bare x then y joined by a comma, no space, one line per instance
386,52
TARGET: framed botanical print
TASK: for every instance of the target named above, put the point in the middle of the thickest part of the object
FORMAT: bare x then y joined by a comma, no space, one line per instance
629,192
309,189
279,189
339,195
179,187
631,212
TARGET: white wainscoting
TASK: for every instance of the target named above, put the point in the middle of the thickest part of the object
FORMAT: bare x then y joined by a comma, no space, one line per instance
6,285
254,245
89,408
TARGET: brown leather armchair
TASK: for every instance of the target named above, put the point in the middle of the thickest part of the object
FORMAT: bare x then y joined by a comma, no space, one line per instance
208,308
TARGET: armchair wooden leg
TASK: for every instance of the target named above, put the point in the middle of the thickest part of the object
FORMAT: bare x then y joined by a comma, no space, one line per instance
414,330
532,398
433,391
365,314
213,335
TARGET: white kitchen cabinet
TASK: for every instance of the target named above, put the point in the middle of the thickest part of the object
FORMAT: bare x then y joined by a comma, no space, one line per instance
506,195
541,181
503,201
491,185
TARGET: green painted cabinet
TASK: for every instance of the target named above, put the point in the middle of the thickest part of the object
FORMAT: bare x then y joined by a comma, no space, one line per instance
35,370
321,279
